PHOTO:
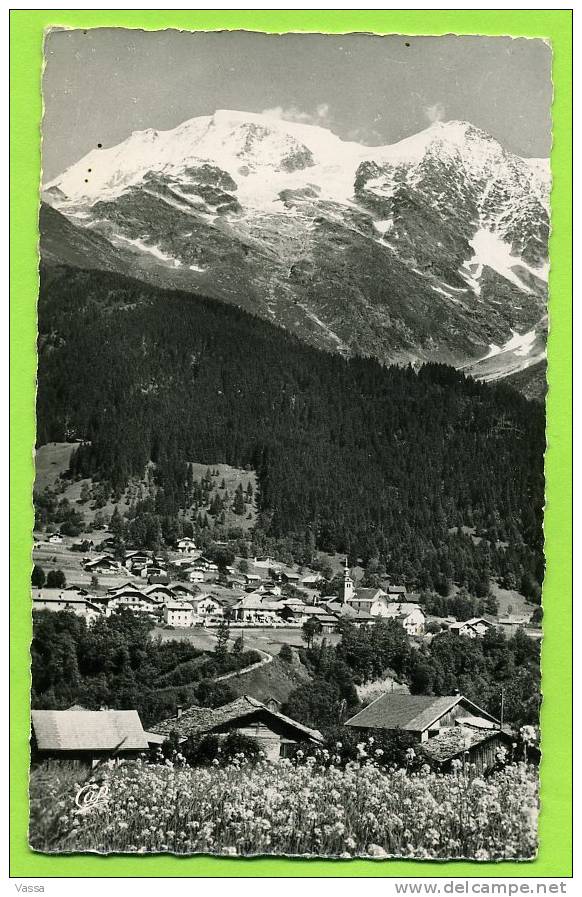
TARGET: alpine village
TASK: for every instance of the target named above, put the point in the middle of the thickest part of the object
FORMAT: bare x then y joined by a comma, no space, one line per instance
288,539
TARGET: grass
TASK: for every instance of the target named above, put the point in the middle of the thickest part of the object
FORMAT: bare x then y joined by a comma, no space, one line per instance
52,461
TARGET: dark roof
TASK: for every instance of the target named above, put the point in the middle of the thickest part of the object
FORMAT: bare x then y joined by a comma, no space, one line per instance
413,713
367,595
344,610
200,720
87,730
456,740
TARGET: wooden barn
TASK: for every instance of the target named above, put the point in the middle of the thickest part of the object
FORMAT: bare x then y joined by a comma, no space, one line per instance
446,728
87,735
476,746
276,734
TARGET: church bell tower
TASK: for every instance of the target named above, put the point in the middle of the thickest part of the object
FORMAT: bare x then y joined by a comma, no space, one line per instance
347,591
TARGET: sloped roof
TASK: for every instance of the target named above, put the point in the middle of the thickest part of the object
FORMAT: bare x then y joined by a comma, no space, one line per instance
200,720
401,711
413,713
403,608
86,730
128,584
256,602
58,595
344,610
368,595
454,741
105,558
132,591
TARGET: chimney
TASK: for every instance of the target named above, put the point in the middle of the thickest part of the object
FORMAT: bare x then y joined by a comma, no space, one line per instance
179,709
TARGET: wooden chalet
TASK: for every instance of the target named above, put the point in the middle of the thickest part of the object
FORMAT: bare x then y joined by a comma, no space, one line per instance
444,727
87,735
275,733
469,745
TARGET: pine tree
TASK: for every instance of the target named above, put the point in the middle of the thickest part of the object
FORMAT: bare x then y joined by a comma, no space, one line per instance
222,637
38,577
239,501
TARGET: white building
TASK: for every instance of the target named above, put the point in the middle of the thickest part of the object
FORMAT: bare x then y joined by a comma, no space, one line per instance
177,613
476,627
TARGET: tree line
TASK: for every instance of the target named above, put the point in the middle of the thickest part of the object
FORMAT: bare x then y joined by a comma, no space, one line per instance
436,475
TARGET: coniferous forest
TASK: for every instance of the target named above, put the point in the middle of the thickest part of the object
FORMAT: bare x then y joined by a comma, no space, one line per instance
372,461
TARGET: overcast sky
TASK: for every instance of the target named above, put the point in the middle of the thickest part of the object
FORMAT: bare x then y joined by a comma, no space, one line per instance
102,84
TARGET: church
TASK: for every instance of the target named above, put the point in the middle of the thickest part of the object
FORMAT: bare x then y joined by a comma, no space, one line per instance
365,606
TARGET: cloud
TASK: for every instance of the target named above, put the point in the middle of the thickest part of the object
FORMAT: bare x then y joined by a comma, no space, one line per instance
433,113
319,116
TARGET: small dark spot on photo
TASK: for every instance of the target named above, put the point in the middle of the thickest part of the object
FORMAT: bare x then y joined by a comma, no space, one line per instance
89,170
86,180
99,145
406,44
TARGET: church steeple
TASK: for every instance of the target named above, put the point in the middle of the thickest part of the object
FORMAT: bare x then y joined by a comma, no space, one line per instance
347,590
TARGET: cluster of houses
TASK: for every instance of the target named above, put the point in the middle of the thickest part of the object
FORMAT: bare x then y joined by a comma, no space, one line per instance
182,604
249,600
442,729
205,595
145,564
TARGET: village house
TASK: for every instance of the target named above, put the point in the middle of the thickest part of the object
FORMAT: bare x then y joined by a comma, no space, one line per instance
181,590
83,545
256,608
55,539
397,591
467,745
135,561
178,613
67,600
266,588
277,735
196,575
265,562
252,578
185,546
87,736
410,616
290,577
160,592
155,575
299,614
236,582
131,599
128,584
312,581
104,565
205,606
430,722
345,611
512,623
476,627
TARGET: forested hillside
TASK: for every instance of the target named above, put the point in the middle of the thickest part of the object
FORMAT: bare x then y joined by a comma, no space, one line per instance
349,455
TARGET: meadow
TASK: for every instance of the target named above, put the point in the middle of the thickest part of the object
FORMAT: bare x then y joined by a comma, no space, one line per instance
311,807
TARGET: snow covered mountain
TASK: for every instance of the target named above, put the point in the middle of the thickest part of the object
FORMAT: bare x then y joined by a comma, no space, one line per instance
431,248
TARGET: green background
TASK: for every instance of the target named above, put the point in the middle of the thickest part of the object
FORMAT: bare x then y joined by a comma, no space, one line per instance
26,32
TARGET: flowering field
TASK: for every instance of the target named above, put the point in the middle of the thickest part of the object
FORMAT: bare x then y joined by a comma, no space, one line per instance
305,809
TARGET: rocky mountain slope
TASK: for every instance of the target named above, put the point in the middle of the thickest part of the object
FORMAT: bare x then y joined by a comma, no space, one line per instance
434,248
